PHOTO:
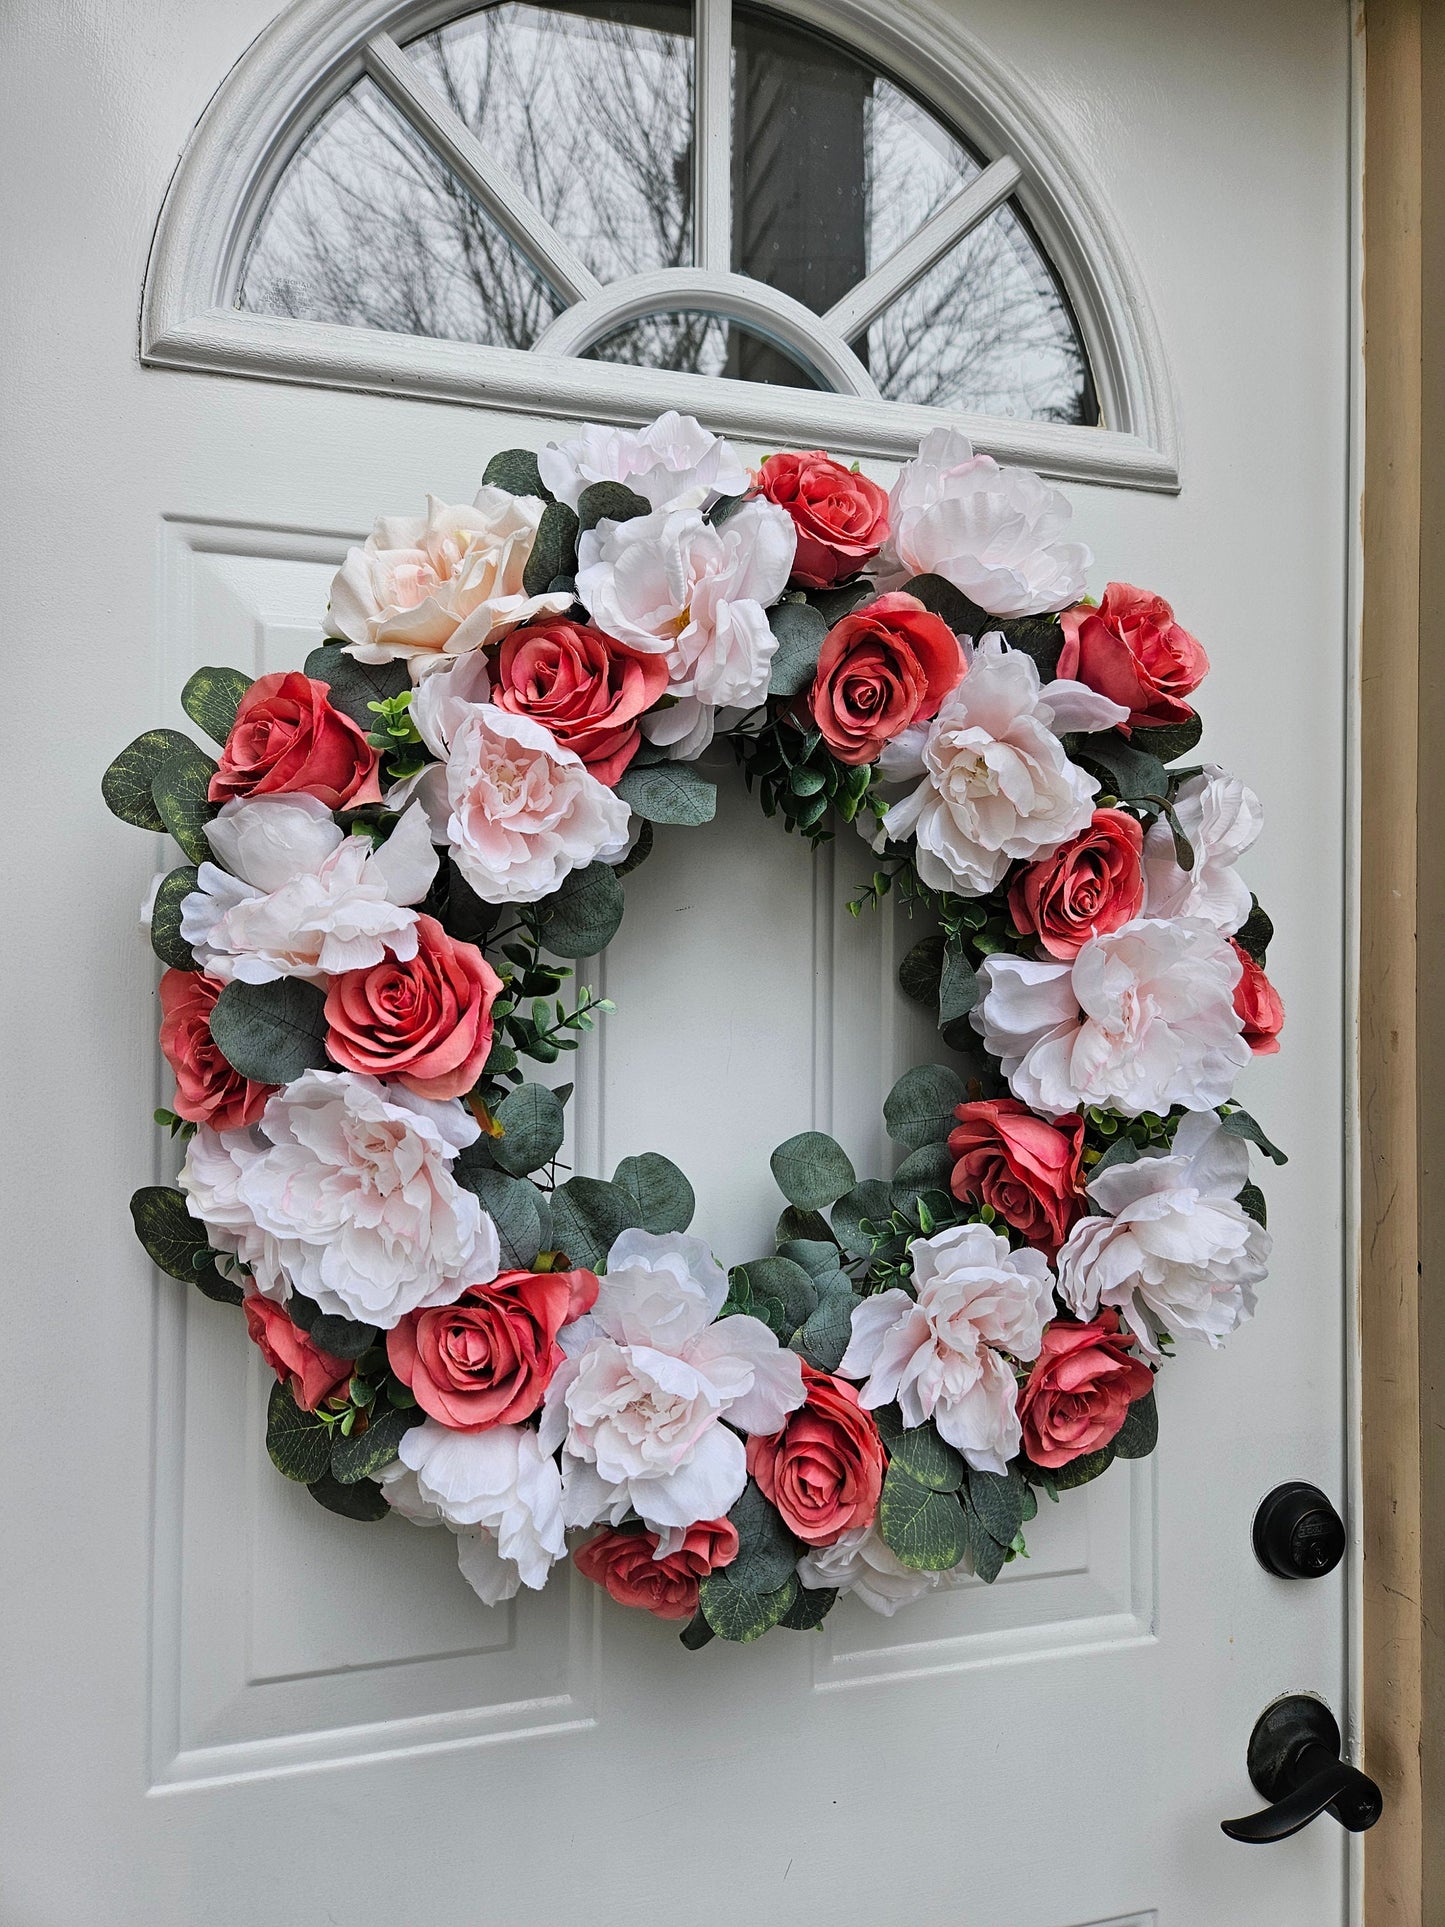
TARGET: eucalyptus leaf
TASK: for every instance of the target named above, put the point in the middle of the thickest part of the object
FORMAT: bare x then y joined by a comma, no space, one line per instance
793,1223
817,1256
812,1170
766,1554
128,784
298,1442
1130,773
963,616
271,1032
1082,1471
870,1202
1038,637
920,1452
697,1633
924,1529
782,1292
1239,1123
1139,1434
958,989
166,939
825,1334
610,502
1122,1151
1168,741
176,1242
587,1216
364,1501
801,632
737,1614
516,470
929,1168
985,1551
466,916
811,1607
363,1454
554,549
342,1337
515,1206
999,1502
533,1125
921,971
352,685
584,913
668,793
211,699
180,793
665,1200
835,603
920,1108
1251,1202
1256,933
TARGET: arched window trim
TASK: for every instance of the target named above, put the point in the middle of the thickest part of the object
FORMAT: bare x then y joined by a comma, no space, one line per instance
317,49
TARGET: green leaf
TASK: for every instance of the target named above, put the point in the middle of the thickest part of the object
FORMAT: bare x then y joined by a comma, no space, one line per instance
870,1202
466,917
801,632
272,1032
211,699
353,686
1038,637
342,1337
587,1216
584,913
697,1633
921,971
1251,1202
1122,1151
127,784
833,604
1139,1434
817,1256
812,1170
811,1607
166,939
668,793
919,1109
984,1550
515,470
637,855
532,1124
515,1207
958,989
924,1529
1128,772
737,1614
964,617
299,1444
1241,1124
179,790
926,1458
766,1553
664,1198
1256,933
610,502
176,1242
999,1502
1082,1471
793,1223
824,1336
364,1454
554,549
363,1501
782,1293
929,1168
1169,740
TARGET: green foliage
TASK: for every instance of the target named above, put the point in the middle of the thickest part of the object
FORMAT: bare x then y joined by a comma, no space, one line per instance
811,1607
554,550
353,686
697,1633
928,1169
342,1337
963,616
166,939
737,1613
793,1223
515,1206
921,971
766,1553
532,1124
587,1215
775,1290
515,470
801,632
919,1109
179,790
812,1170
610,502
958,988
1251,1203
824,1335
987,1553
870,1202
817,1256
796,775
299,1442
999,1502
176,1242
127,785
1139,1434
1169,741
364,1501
583,915
661,1193
271,1032
1256,933
1127,772
361,1455
211,699
1093,1465
668,793
923,1528
927,1459
1239,1123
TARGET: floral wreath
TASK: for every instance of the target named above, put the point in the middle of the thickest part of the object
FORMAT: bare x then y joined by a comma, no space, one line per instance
398,842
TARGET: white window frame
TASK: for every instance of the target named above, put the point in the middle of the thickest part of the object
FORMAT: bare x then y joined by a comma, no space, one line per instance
317,49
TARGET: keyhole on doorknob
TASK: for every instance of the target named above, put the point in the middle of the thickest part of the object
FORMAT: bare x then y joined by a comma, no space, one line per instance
1297,1532
1294,1763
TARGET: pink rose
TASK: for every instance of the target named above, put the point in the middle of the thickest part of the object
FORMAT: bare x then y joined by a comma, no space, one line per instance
208,1089
1092,883
824,1470
1257,1005
624,1564
1080,1389
313,1373
1132,650
287,737
1025,1169
889,664
488,1359
840,516
584,687
426,1022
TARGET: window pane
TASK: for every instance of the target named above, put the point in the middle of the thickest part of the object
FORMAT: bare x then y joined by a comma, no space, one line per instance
702,344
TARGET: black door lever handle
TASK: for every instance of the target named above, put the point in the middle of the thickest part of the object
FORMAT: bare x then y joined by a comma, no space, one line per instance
1295,1764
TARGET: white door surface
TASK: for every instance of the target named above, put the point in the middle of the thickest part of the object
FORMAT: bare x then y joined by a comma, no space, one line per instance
224,1705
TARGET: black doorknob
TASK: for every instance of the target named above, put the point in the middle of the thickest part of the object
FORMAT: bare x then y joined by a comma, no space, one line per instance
1294,1763
1297,1532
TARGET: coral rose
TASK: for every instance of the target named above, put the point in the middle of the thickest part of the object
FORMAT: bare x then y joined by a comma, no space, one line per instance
625,1564
1257,1005
1092,883
208,1089
488,1359
586,688
287,737
888,665
1080,1390
1131,649
313,1374
824,1470
426,1020
841,517
1024,1169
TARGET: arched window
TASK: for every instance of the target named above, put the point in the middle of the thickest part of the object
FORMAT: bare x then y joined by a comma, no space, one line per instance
655,194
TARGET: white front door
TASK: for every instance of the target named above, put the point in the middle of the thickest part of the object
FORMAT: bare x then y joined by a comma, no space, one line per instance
226,1705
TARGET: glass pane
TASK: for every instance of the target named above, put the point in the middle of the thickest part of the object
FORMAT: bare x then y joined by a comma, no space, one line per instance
702,344
369,228
589,107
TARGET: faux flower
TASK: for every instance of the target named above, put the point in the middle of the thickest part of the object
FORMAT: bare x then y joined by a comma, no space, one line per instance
344,1192
1089,885
824,1470
488,1358
946,1355
287,737
673,463
426,1022
299,898
1079,1392
1176,1252
313,1374
1024,1169
498,1490
208,1090
840,516
427,589
583,686
1256,1004
1221,818
882,669
1142,1019
630,1567
649,1377
862,1563
1131,648
518,811
995,533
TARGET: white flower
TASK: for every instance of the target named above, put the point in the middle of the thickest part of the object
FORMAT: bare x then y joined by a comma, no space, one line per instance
673,463
498,1490
946,1355
993,532
1142,1019
1177,1254
649,1377
860,1562
997,785
518,811
344,1192
298,898
430,588
1221,817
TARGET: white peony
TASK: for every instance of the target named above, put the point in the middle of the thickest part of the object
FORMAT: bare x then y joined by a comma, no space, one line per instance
993,532
344,1192
672,463
298,897
649,1377
860,1562
1142,1019
1177,1253
434,587
946,1355
498,1491
1221,817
